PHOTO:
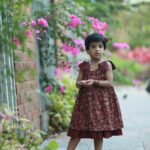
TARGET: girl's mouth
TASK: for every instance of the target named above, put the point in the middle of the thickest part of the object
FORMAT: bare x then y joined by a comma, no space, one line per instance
97,54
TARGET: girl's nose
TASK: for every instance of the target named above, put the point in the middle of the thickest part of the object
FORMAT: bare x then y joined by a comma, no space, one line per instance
97,49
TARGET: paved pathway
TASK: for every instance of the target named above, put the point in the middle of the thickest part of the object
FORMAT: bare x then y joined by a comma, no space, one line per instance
136,115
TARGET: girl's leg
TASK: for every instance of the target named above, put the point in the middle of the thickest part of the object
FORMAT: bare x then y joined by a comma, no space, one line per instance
98,143
73,143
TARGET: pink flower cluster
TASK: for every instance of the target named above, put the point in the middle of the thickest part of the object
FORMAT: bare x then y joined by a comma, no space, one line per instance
33,22
141,55
24,23
42,22
121,45
73,50
98,26
28,33
16,41
49,88
79,43
62,89
75,21
60,71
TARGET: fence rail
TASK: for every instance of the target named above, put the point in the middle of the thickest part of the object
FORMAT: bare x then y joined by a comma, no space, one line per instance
7,81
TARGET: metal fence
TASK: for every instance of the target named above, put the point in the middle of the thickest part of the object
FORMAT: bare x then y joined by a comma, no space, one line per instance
7,81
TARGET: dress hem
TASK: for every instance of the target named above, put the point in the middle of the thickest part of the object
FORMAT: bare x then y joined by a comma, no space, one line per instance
94,134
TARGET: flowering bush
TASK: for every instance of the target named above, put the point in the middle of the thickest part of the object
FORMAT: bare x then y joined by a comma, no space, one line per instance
17,133
121,45
75,21
139,54
98,26
71,29
76,38
39,25
61,98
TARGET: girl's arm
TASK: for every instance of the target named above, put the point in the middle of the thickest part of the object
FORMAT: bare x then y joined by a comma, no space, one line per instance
109,78
79,79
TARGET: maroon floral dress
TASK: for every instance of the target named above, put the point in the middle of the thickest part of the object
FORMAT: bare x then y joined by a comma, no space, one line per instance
96,113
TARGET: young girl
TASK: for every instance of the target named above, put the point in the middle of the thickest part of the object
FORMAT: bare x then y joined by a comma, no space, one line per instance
96,112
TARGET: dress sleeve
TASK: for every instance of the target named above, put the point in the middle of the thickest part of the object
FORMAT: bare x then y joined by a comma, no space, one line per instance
83,66
105,65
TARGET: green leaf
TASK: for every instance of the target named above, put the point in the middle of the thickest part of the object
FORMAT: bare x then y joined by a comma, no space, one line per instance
53,145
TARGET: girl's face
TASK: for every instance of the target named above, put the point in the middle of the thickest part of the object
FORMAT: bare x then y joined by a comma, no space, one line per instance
96,50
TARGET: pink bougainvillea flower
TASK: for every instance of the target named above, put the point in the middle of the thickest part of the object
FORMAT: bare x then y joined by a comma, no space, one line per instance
92,18
28,33
37,31
102,32
46,17
16,41
48,89
61,70
121,45
103,26
98,26
33,22
75,21
62,89
42,22
66,47
66,69
75,51
139,54
57,71
79,43
24,23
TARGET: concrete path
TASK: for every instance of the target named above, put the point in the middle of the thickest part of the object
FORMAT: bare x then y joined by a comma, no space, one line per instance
136,116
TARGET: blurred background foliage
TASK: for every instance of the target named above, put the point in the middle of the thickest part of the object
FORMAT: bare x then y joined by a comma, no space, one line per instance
128,22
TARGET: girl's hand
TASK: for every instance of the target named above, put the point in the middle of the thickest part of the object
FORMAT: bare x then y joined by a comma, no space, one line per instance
87,83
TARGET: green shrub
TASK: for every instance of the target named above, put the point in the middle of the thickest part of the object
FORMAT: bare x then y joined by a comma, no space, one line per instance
126,71
17,133
60,104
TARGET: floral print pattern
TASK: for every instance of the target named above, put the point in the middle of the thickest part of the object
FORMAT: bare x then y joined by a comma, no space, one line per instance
96,109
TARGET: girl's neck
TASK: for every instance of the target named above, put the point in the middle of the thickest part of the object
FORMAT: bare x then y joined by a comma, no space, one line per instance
95,61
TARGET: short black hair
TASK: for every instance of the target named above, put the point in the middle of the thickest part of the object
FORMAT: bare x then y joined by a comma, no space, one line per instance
95,37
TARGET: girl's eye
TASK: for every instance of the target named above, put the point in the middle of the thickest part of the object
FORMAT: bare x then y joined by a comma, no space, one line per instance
100,46
93,46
